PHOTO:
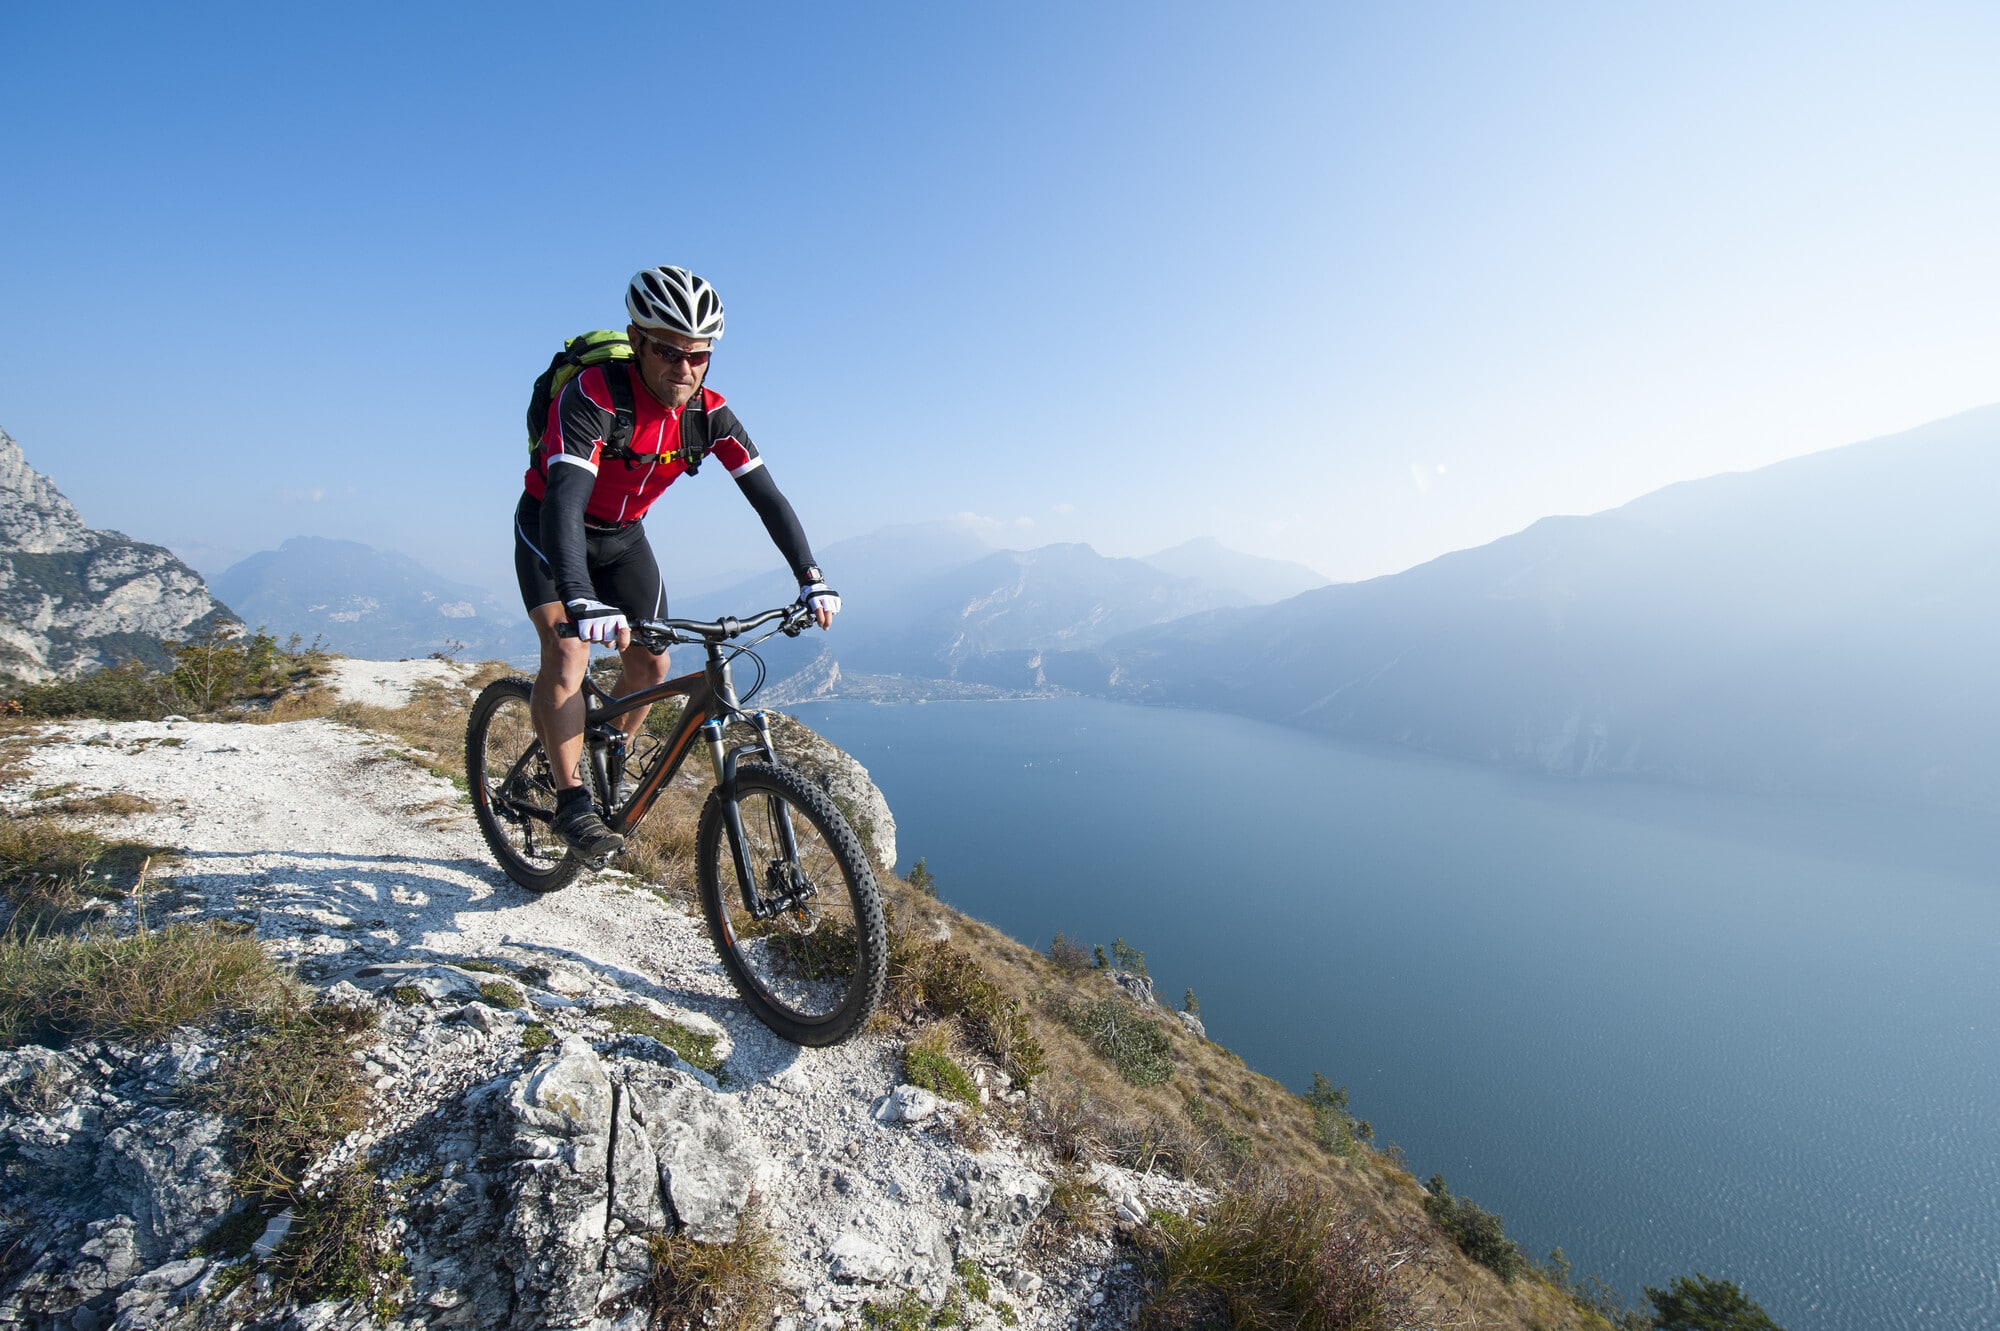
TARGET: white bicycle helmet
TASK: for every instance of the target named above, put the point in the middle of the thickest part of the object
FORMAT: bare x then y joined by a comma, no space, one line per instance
674,300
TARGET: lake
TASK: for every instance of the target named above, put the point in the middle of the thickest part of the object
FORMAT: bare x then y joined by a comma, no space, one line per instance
1666,1029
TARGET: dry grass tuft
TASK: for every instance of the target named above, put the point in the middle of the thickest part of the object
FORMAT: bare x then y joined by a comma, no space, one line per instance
108,804
339,1245
1076,1206
930,979
1283,1251
290,1091
732,1286
56,988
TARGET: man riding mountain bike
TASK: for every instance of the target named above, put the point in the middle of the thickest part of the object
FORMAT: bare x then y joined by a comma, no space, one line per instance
613,441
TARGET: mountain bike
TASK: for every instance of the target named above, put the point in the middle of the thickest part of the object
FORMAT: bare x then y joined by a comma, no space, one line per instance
785,887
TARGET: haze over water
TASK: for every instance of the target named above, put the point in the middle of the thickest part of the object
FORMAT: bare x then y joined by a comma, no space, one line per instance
1668,1030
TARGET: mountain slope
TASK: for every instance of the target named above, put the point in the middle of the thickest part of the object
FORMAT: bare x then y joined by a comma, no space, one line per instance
71,597
1822,624
369,602
930,603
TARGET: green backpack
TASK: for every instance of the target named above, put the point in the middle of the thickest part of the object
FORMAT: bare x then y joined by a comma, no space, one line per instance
602,347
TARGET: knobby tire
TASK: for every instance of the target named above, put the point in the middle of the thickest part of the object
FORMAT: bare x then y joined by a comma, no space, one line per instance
813,975
501,750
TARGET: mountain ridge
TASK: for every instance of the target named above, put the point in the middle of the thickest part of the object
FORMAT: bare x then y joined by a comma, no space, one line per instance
73,597
1823,624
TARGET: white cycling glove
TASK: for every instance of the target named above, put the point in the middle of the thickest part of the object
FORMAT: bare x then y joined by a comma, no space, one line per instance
596,621
818,596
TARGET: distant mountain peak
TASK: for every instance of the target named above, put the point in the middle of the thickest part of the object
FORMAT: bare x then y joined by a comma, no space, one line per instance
1252,577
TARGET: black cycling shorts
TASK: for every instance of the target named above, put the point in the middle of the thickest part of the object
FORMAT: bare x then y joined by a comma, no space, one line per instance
622,568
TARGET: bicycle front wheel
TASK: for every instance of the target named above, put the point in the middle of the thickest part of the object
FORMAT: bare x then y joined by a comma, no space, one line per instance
513,795
810,955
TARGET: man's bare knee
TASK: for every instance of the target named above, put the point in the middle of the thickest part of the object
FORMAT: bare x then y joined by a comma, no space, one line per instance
642,668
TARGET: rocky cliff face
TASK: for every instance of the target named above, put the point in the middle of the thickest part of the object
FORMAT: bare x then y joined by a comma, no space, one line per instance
71,597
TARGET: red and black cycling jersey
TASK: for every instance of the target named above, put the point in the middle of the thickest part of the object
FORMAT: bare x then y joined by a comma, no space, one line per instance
579,483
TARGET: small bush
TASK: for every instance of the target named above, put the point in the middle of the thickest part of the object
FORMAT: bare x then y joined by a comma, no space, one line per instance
1335,1127
56,989
1136,1044
1128,958
977,1287
923,879
1076,1205
730,1285
1190,1004
124,692
1278,1251
927,1062
1070,957
535,1036
1698,1303
632,1019
1477,1232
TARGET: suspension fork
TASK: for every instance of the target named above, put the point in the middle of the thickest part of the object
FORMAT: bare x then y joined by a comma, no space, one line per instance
724,762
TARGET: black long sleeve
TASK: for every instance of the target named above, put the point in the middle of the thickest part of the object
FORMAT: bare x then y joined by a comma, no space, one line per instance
779,519
562,536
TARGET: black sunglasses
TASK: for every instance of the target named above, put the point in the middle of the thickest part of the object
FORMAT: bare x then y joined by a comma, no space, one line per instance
667,353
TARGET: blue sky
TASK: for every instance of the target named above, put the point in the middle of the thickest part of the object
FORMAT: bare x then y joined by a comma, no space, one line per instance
1352,285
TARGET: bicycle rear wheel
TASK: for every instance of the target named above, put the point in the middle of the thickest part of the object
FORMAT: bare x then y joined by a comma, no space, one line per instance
812,968
513,794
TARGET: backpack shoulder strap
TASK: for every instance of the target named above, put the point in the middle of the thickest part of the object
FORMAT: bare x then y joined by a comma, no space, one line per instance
618,379
694,431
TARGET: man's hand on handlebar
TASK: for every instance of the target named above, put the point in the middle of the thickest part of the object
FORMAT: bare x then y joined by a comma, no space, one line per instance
597,622
822,600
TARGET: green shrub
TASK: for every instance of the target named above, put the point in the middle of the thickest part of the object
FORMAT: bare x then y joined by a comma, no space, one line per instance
929,976
127,691
1136,1044
500,994
536,1036
1335,1127
977,1287
1699,1304
1128,958
927,1062
1477,1232
923,879
220,666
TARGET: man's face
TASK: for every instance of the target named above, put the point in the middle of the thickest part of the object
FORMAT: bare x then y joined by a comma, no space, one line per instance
671,378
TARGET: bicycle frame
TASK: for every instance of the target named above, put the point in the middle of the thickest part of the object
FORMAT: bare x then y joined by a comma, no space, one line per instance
711,705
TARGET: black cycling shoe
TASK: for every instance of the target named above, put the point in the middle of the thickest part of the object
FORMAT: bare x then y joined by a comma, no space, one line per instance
585,833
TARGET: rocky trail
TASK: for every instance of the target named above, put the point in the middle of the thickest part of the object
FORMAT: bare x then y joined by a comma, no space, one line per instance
525,1180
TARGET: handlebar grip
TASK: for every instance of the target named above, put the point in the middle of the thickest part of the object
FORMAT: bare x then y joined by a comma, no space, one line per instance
565,630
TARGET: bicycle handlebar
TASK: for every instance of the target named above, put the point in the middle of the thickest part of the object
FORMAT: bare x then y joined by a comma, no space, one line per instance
658,634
